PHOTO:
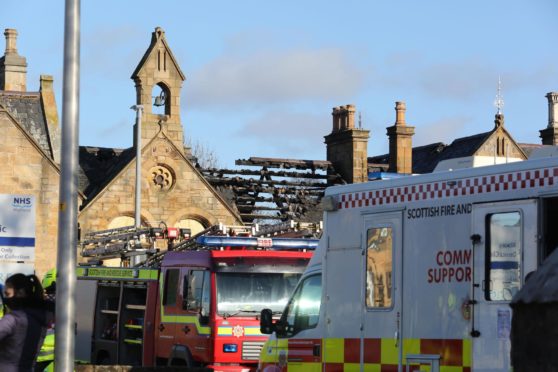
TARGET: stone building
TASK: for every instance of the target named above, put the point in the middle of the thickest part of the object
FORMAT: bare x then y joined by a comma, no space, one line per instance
29,147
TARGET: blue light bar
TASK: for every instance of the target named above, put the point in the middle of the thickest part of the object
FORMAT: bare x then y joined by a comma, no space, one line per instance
269,243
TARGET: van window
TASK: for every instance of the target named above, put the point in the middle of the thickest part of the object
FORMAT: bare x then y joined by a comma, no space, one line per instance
171,285
303,310
503,256
379,267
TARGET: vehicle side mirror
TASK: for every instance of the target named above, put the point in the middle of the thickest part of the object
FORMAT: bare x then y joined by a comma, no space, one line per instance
266,322
204,319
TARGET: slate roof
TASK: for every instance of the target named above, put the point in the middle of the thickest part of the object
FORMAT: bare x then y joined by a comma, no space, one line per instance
98,166
529,147
27,110
425,158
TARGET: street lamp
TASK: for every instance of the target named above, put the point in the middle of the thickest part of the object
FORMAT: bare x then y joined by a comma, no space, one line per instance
138,109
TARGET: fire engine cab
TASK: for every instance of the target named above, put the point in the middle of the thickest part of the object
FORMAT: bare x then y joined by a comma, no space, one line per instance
416,273
197,305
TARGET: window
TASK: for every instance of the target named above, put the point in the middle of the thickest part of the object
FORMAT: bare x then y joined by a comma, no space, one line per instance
246,293
379,267
503,256
197,291
303,310
171,286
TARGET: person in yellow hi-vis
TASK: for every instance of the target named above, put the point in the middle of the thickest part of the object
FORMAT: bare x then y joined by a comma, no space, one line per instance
45,360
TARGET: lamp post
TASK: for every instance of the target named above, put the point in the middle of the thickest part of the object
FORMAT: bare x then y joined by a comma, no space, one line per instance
67,215
138,109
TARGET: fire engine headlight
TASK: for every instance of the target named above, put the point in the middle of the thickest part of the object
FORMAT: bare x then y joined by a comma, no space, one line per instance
230,348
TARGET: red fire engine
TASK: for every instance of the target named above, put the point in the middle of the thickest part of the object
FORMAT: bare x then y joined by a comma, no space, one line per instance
198,306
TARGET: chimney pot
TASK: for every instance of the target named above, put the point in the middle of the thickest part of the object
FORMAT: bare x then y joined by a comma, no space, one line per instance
400,108
350,116
336,119
11,40
552,109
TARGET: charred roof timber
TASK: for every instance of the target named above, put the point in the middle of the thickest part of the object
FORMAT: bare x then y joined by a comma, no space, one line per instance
282,189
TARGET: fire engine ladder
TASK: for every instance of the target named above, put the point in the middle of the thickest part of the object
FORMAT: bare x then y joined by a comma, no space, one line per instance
193,244
220,236
131,241
291,229
116,242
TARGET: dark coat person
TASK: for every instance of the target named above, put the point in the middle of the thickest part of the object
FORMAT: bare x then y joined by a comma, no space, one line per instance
24,325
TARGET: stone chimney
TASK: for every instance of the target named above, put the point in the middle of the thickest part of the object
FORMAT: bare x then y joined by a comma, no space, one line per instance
347,146
400,142
51,115
550,134
13,67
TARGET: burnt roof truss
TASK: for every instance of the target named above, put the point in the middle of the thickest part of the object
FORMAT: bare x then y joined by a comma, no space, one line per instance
275,189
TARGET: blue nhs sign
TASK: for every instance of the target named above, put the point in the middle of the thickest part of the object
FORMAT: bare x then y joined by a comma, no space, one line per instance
17,229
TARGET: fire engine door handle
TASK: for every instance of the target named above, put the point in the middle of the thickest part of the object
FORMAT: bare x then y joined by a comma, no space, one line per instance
186,329
161,327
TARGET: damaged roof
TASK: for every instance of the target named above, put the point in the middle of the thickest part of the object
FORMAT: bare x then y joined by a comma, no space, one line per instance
278,189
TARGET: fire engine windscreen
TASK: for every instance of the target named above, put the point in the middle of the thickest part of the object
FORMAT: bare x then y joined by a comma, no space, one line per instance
246,294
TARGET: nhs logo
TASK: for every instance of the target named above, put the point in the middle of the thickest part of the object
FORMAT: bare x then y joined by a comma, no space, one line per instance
22,202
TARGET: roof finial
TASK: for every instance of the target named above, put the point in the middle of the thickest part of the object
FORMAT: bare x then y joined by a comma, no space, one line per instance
499,101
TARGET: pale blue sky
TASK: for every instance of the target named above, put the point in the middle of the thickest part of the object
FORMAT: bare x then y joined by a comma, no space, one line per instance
262,76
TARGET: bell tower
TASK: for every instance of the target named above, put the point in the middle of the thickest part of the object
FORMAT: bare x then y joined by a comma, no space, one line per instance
158,80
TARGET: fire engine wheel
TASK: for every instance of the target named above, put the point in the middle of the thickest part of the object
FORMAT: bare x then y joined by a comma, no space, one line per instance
103,358
181,356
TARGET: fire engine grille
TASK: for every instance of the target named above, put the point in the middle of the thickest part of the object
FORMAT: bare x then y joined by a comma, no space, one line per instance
251,350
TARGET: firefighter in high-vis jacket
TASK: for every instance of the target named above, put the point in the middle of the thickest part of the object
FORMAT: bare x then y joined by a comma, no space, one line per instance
45,360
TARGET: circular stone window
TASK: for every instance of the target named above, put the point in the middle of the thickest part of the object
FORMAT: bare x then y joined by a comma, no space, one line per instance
161,178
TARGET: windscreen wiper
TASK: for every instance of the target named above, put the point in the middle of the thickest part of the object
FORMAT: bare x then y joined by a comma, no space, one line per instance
228,315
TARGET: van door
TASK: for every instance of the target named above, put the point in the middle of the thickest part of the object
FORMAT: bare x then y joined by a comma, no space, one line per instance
343,304
168,308
382,289
505,246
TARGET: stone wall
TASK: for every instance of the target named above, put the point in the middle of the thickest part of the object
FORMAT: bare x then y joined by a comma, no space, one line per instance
25,170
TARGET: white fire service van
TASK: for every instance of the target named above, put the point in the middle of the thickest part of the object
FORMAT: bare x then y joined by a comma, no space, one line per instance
416,273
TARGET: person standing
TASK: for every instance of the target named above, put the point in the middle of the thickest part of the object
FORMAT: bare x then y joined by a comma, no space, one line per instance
24,326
